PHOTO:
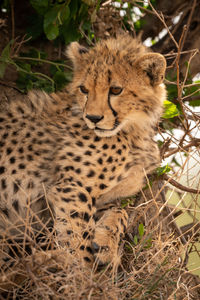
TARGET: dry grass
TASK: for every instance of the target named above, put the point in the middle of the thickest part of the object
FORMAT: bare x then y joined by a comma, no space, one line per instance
153,267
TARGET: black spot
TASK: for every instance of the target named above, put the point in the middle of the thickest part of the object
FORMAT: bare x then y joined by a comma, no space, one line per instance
124,146
62,157
102,186
29,157
15,187
12,160
1,119
5,135
113,169
30,185
66,190
15,133
109,76
89,206
113,146
88,153
100,161
77,159
119,151
110,159
86,137
21,150
16,205
105,146
79,183
14,142
91,173
86,235
101,176
30,148
40,133
76,125
2,170
86,217
21,166
74,214
87,259
3,184
128,166
93,201
79,143
2,144
36,174
69,232
82,247
70,154
89,189
97,139
78,171
87,163
105,170
119,140
92,146
89,249
82,197
5,211
14,172
67,200
57,168
68,168
20,110
119,178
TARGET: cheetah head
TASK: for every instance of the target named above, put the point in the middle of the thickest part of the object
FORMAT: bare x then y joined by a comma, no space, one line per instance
118,84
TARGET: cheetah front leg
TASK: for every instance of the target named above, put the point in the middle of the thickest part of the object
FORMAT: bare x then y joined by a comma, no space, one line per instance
107,235
126,187
74,221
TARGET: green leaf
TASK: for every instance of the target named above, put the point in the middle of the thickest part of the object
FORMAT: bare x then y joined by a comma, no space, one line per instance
70,32
89,2
2,69
170,110
163,170
60,80
50,23
51,31
73,8
195,102
141,230
40,6
5,54
64,14
135,240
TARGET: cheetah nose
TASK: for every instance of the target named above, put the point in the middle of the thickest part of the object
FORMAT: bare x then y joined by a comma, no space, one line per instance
95,247
94,119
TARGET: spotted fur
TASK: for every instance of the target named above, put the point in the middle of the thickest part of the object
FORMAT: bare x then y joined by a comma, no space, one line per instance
63,156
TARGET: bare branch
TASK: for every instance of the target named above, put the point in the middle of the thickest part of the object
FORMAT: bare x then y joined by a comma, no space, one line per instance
179,186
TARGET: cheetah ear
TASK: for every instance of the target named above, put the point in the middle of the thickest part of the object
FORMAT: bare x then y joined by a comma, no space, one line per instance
76,52
153,65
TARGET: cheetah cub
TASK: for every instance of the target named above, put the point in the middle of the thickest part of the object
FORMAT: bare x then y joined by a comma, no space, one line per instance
64,156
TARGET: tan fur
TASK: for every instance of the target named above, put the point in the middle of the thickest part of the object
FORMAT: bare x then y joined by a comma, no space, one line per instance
55,162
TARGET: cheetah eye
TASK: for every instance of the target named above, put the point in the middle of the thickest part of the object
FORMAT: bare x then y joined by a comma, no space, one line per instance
83,89
115,90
